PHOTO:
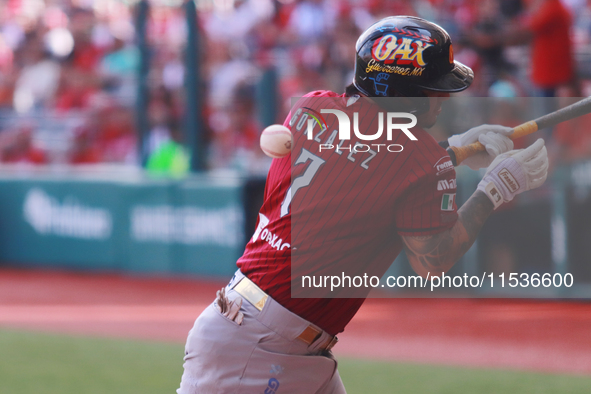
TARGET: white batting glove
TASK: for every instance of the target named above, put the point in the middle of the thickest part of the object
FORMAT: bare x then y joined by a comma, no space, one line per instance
493,137
514,172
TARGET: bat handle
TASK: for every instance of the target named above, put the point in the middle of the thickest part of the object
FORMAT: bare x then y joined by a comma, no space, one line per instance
461,153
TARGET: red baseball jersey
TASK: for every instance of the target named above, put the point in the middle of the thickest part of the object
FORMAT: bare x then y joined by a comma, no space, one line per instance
329,210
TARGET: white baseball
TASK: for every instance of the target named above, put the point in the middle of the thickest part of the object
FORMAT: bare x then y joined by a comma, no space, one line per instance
276,141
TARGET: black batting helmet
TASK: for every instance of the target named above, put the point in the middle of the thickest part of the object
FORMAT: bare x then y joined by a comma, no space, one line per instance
403,55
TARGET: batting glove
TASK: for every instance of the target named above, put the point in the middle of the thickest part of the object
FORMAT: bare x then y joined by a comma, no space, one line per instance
230,309
514,172
494,138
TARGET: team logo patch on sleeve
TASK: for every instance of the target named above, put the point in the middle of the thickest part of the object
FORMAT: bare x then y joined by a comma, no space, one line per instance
443,165
447,202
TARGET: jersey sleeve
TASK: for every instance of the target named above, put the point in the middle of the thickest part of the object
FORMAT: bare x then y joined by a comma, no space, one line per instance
429,204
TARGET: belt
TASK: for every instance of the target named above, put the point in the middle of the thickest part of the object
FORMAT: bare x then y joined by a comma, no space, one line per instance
257,297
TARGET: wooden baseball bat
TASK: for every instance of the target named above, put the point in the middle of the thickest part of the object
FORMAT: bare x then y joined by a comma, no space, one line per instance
583,107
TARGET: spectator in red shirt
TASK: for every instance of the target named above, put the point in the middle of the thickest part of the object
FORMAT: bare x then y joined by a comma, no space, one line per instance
84,148
552,49
77,87
547,29
18,148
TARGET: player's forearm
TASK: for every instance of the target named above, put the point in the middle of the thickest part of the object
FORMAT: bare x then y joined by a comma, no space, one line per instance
438,253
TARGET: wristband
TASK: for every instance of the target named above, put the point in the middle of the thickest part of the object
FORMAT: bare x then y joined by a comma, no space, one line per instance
492,192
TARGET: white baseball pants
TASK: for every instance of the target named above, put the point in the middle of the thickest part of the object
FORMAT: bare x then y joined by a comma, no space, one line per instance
262,355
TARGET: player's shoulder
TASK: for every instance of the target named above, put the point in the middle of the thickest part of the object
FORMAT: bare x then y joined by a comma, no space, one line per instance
318,98
316,101
323,93
429,155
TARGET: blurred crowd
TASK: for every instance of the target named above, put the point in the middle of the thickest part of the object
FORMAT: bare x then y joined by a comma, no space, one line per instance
68,81
68,69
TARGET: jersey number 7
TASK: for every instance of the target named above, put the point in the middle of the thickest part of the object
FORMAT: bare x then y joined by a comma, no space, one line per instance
303,180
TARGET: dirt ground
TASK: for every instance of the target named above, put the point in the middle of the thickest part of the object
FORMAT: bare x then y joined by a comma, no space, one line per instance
512,334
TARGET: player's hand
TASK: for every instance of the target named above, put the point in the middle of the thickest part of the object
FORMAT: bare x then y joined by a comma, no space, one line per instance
495,139
514,172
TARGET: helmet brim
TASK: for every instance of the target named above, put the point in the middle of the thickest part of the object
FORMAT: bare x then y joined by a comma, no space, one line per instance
458,79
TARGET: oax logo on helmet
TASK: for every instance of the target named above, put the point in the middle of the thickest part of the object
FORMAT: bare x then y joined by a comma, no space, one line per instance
402,51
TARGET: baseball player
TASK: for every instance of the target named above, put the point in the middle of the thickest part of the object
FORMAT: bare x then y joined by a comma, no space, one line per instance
356,211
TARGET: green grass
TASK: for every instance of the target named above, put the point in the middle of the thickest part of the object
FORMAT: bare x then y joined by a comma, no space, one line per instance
33,363
51,364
